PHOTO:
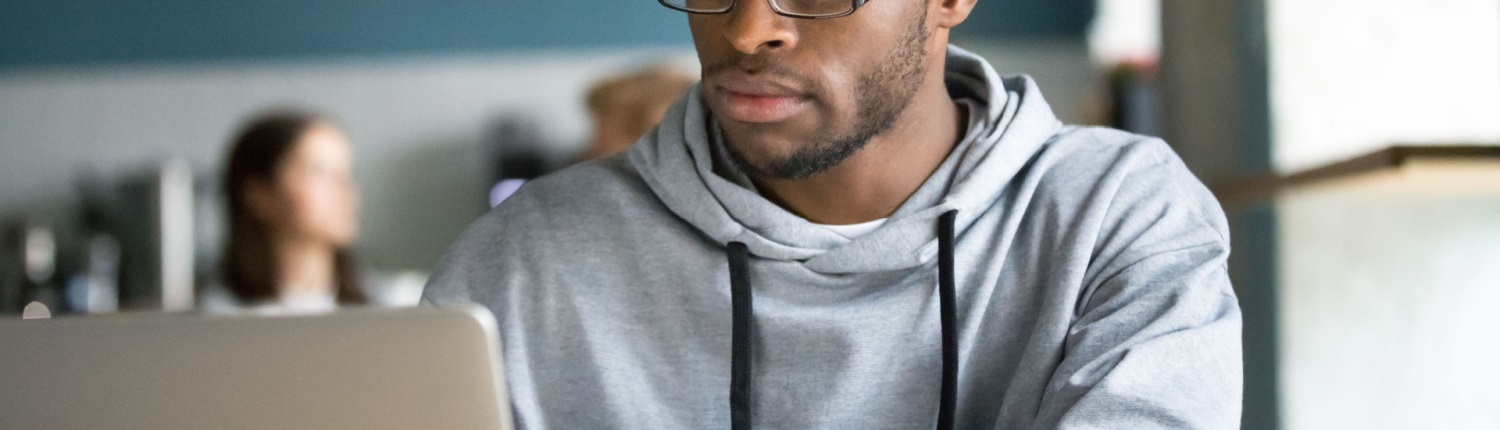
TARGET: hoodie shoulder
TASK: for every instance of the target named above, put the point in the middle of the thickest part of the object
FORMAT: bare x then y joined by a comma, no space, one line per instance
1089,155
548,216
584,189
1103,145
1126,181
1079,160
585,184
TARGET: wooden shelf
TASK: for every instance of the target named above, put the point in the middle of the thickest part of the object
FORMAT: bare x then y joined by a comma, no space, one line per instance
1402,169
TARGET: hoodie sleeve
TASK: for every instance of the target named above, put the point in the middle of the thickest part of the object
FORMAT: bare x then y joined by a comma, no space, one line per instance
1155,341
467,272
448,285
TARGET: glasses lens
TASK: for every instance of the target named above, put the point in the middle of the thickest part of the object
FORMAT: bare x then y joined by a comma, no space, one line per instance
700,5
815,7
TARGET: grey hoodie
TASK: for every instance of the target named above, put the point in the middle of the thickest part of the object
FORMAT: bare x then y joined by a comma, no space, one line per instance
1091,288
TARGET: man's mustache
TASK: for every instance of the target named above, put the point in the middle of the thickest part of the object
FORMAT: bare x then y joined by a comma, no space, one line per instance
765,67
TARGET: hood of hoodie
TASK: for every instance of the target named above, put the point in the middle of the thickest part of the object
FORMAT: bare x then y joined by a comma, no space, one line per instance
1009,124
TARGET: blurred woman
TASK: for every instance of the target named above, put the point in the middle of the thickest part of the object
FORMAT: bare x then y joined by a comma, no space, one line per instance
292,217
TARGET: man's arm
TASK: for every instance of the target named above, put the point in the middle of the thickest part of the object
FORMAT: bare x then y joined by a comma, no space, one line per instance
453,280
1155,342
447,286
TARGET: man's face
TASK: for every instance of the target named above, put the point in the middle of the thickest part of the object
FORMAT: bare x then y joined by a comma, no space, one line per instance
796,97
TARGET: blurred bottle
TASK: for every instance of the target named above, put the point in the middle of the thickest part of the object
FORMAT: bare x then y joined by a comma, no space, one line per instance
32,256
1135,98
95,286
92,277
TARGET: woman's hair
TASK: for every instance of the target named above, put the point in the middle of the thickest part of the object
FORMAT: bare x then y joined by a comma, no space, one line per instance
251,270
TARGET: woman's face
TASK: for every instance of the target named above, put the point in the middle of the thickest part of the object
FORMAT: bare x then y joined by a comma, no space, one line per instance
315,188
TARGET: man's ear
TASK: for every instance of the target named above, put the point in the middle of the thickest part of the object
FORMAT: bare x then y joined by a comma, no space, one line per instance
950,13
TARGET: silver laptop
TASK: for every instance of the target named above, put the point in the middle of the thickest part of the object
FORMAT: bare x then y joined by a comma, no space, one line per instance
361,369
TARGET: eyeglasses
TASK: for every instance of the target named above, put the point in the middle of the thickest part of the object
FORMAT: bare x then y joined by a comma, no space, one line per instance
811,9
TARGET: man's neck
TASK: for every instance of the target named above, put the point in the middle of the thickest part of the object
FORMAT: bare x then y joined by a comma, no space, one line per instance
875,181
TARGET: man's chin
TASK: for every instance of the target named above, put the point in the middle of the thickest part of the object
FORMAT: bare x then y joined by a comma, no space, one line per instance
756,162
761,145
784,168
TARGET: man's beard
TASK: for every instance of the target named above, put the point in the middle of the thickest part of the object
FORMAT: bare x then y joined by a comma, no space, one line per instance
883,95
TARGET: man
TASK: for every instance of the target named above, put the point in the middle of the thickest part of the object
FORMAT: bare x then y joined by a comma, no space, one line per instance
849,224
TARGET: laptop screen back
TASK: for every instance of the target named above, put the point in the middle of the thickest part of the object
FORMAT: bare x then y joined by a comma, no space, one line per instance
365,369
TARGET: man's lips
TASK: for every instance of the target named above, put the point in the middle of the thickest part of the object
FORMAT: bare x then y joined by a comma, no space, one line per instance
754,107
750,98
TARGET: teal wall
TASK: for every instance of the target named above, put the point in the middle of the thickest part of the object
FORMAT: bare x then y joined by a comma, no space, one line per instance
84,32
1020,19
51,33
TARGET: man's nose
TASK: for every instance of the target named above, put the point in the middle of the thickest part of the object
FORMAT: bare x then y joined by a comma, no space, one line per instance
755,28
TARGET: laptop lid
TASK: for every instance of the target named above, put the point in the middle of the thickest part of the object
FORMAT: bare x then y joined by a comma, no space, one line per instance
357,369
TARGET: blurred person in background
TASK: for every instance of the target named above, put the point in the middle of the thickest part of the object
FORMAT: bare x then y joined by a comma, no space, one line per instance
292,218
625,107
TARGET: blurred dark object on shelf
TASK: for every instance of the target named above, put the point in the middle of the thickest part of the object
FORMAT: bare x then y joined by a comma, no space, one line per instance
92,282
30,268
1135,98
157,245
517,153
136,241
10,271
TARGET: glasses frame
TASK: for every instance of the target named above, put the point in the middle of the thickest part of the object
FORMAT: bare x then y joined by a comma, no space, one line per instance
854,5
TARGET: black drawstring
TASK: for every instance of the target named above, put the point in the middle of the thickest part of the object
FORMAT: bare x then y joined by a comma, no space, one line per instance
743,311
946,299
